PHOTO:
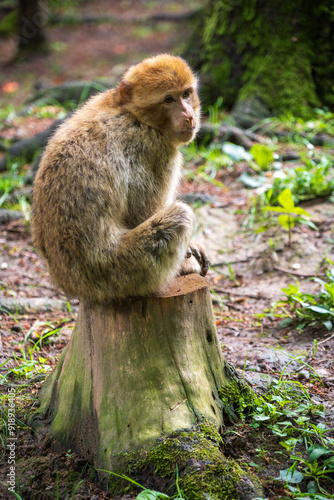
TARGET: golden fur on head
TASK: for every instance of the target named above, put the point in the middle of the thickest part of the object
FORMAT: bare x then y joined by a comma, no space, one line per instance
162,73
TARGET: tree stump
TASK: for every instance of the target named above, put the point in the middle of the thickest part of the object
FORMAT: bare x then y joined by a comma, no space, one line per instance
134,371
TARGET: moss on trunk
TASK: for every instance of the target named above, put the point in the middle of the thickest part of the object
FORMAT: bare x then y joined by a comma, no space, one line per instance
278,52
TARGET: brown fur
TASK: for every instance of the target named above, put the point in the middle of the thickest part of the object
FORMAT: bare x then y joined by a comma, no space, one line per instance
104,211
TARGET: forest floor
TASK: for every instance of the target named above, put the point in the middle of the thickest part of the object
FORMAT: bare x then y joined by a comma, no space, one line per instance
249,268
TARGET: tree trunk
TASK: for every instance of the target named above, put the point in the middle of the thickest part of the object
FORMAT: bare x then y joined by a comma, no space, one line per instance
276,56
134,371
32,21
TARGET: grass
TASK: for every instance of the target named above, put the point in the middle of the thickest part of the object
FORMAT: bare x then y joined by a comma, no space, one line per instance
30,363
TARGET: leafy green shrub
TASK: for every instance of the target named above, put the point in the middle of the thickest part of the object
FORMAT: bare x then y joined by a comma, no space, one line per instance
306,182
311,309
287,410
299,130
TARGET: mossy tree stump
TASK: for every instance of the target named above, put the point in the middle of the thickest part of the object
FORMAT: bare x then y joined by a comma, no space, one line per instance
134,371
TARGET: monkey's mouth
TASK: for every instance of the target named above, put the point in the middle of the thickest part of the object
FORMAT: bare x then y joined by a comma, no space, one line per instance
187,133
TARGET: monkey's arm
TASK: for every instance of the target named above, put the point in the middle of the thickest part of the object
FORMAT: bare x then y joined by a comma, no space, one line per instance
150,255
135,262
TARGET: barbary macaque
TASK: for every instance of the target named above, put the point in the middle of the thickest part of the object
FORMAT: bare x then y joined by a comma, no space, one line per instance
104,211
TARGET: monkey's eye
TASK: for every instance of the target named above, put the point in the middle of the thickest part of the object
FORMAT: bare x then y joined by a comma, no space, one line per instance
187,93
169,99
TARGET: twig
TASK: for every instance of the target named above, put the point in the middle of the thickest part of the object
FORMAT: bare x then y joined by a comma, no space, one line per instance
295,273
231,292
233,306
326,340
219,264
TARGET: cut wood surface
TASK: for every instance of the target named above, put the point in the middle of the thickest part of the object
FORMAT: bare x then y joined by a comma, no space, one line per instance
134,371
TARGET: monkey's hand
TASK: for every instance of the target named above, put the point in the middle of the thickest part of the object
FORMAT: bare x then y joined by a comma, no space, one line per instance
196,261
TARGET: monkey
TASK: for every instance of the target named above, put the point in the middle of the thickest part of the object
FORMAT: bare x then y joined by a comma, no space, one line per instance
104,214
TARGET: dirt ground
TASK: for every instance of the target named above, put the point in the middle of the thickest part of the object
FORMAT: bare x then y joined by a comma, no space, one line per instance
247,272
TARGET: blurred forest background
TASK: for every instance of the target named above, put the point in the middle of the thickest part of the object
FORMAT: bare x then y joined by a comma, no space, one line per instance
260,178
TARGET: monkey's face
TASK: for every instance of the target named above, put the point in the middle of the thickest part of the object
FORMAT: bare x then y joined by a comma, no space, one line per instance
162,93
179,114
175,113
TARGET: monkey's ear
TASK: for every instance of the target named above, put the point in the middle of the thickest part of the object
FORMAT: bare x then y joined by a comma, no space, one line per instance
125,92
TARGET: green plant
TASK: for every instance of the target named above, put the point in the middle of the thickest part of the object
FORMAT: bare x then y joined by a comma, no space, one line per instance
262,155
232,274
27,366
307,181
7,114
236,153
312,308
25,207
299,130
51,108
146,494
290,214
10,180
213,158
16,495
216,113
256,217
47,334
75,489
287,410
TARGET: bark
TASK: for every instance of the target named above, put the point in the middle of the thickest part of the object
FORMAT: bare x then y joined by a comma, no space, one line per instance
228,133
9,215
134,371
32,21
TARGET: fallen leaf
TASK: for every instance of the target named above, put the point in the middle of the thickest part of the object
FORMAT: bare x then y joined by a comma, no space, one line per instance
9,87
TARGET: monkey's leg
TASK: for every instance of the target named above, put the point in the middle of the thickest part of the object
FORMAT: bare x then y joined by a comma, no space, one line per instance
149,256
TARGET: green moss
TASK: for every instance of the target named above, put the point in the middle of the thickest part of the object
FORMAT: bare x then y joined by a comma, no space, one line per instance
209,431
237,397
268,50
196,456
